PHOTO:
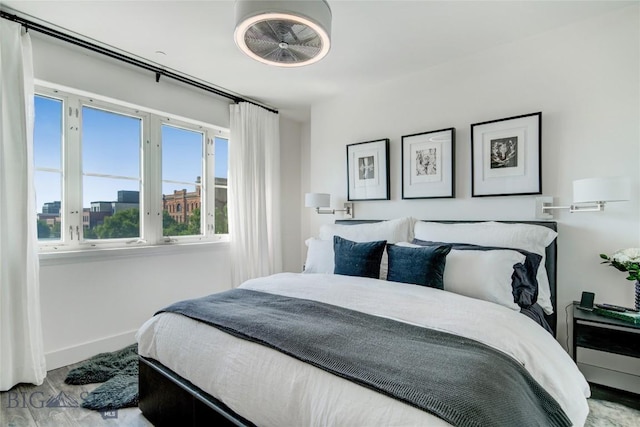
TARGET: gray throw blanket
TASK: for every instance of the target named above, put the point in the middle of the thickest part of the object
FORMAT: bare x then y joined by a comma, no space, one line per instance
462,381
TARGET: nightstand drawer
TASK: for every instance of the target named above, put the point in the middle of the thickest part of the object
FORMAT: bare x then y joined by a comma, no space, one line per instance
599,337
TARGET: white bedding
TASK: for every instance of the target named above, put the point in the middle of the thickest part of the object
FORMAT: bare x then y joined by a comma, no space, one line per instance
272,389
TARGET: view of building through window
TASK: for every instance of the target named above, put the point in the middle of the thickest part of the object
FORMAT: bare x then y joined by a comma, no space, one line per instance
47,154
110,166
181,193
112,176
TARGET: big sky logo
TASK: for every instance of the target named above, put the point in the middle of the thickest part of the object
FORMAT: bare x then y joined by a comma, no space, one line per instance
38,400
62,400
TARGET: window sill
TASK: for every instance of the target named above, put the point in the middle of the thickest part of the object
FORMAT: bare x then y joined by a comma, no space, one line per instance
61,257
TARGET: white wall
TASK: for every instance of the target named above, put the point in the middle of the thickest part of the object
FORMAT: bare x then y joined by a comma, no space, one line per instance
290,193
92,304
64,64
585,80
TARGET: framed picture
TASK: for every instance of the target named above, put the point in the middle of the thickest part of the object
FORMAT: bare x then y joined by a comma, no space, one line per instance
505,156
368,170
428,170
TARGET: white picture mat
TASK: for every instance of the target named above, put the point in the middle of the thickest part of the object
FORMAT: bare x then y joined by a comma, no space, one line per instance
438,185
518,134
486,184
374,188
370,177
430,168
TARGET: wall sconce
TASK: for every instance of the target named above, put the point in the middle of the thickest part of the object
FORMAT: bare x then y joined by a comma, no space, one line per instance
589,195
323,200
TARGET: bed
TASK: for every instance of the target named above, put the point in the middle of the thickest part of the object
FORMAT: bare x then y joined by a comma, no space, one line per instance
194,374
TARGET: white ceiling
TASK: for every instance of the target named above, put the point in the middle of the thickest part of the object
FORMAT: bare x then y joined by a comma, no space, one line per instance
372,41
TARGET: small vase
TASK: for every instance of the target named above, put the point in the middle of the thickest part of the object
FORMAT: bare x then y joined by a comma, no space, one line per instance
637,294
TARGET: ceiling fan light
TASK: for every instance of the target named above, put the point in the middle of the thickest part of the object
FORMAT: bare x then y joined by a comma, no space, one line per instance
283,33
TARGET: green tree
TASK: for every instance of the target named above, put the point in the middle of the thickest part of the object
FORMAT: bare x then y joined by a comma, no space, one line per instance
90,233
171,227
122,224
194,222
167,221
222,220
55,230
43,230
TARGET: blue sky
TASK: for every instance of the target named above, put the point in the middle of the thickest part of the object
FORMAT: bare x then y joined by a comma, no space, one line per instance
111,145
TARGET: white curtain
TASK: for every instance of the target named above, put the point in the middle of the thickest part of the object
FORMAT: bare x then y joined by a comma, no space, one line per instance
254,193
21,347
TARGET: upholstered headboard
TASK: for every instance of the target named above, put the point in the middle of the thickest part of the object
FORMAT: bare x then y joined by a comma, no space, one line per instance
550,263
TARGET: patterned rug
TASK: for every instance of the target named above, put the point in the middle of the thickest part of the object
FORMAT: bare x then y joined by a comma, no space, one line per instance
608,414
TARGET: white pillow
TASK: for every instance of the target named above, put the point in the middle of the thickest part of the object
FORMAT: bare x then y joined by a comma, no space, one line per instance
320,257
530,237
484,275
393,231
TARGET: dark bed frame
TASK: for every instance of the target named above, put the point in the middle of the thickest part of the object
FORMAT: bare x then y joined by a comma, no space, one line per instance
167,399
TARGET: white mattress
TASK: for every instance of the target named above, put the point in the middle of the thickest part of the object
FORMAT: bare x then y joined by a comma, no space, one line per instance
272,389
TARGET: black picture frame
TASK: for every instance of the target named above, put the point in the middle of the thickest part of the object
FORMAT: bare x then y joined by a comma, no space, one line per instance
368,170
506,156
428,164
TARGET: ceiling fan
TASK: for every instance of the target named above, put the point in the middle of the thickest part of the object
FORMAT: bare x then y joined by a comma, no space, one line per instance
283,33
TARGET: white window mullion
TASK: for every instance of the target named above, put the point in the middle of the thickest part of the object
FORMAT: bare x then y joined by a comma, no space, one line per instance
220,136
151,181
71,231
209,188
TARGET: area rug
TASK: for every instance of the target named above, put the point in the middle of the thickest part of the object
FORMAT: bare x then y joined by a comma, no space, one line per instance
608,414
119,373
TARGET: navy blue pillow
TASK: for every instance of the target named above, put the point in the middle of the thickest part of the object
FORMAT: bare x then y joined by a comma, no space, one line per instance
524,283
419,266
357,259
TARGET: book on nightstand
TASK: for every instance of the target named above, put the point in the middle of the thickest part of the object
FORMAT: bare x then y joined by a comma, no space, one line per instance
627,316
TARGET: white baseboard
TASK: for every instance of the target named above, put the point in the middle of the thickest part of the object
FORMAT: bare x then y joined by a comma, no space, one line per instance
67,356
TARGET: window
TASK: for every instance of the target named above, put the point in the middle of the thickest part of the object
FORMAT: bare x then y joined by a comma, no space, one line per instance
108,174
47,155
182,150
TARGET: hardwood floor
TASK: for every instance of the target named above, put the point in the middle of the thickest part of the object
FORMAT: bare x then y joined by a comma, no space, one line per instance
26,405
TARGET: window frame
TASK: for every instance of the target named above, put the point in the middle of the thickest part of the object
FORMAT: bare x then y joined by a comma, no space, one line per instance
150,201
53,94
207,179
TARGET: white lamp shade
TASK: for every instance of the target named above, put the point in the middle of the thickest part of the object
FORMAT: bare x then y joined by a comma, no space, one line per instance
591,190
317,200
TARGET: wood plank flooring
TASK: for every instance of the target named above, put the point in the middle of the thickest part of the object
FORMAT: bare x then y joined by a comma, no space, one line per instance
25,405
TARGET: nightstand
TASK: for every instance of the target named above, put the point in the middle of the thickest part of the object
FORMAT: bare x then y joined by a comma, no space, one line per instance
605,334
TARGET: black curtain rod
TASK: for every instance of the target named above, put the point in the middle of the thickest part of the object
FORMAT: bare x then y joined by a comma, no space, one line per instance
30,25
